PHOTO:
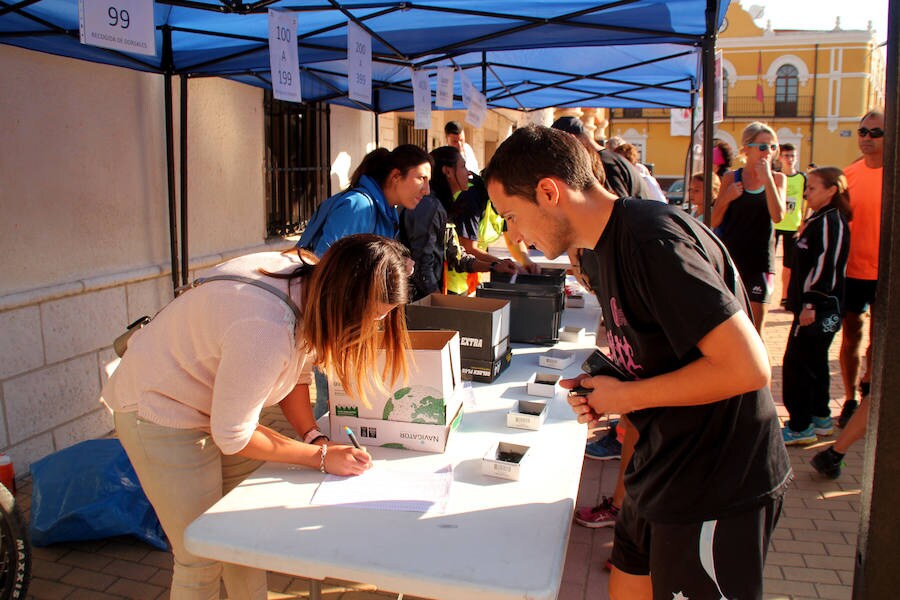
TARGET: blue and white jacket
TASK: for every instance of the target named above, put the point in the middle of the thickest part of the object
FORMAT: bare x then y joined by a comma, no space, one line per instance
362,209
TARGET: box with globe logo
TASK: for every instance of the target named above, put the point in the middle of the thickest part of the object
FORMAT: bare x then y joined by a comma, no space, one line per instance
418,414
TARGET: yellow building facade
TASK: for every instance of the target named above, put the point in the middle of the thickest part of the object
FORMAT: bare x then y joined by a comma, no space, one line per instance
815,86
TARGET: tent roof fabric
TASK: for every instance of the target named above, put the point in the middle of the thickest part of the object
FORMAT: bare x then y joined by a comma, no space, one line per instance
533,53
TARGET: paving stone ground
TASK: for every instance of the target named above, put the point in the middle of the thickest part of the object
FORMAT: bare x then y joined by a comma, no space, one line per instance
811,556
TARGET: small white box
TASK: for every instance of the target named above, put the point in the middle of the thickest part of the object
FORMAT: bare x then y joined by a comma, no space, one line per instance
575,301
527,414
571,334
493,465
543,384
556,359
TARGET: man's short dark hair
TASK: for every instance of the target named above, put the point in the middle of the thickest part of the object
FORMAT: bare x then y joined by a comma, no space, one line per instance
788,148
453,127
569,124
533,153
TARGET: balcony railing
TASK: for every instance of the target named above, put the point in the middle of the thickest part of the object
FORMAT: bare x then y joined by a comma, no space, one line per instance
735,106
749,106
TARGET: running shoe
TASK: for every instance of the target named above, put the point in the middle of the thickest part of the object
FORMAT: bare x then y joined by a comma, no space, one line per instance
606,448
827,463
603,515
822,425
793,438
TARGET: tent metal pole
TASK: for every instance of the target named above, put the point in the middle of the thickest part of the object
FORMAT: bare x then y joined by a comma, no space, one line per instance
875,575
689,163
170,153
709,101
183,174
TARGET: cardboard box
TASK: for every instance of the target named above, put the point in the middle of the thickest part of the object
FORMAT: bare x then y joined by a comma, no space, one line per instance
542,384
429,395
482,323
528,414
571,334
556,359
485,371
395,434
575,301
492,465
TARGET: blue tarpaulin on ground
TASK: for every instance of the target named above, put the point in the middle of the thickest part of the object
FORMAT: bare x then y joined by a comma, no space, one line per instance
523,54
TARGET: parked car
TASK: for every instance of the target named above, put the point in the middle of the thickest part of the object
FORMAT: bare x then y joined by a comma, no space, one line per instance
675,193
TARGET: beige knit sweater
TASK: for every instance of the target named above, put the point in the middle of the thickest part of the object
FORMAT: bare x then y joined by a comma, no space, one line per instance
215,356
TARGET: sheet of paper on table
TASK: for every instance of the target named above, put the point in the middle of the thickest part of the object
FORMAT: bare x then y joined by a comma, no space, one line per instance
383,488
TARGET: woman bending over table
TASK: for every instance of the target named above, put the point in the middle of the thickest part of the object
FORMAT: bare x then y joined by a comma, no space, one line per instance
188,393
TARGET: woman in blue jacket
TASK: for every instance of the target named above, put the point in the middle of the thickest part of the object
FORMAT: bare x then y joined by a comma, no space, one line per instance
384,180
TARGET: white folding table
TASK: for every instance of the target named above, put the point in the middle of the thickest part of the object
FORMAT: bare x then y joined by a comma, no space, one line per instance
498,539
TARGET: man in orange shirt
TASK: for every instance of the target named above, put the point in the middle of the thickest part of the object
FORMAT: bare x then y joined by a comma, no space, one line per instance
864,181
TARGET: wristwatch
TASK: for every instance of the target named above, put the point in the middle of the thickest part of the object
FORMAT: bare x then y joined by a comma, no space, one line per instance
314,435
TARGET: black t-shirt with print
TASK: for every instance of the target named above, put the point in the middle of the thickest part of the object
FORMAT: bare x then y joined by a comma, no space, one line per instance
664,281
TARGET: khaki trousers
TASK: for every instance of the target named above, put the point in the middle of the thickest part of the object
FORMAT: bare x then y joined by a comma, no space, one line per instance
184,473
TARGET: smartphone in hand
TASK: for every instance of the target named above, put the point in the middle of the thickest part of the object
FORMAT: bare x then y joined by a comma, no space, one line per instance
600,364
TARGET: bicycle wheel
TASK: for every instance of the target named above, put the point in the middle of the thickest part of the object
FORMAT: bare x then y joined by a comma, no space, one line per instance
15,549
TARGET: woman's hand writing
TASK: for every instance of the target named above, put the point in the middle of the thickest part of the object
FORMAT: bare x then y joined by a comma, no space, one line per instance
346,460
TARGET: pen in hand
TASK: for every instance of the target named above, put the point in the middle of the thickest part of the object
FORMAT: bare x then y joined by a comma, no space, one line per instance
352,437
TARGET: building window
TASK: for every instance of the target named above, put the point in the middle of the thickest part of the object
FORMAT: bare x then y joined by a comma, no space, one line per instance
786,85
298,169
632,113
408,134
724,92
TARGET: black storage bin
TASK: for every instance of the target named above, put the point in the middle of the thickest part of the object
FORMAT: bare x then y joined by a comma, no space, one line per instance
535,310
551,277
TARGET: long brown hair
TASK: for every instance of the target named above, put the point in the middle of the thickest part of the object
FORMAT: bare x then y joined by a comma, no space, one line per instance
343,290
834,177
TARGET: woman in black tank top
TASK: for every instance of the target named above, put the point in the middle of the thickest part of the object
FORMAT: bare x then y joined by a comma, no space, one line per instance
750,201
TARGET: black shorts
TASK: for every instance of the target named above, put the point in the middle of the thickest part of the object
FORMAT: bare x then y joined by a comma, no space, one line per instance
859,294
759,286
710,559
788,243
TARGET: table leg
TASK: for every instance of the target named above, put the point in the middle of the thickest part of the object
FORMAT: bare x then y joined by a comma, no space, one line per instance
315,589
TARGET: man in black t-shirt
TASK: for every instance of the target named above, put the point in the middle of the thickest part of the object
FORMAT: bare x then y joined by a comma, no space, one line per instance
704,487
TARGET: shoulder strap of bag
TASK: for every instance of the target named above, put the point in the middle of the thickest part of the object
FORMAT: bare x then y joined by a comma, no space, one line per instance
260,284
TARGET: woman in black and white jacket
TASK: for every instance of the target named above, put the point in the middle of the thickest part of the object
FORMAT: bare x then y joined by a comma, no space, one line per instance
815,296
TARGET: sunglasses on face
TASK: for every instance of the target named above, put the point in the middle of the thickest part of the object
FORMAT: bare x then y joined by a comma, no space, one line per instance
874,133
764,147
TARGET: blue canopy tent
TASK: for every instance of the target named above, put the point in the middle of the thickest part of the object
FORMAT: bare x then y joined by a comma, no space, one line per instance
522,55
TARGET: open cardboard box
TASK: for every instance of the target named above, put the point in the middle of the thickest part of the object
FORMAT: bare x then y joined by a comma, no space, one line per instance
482,323
556,359
505,460
426,405
395,434
542,384
528,414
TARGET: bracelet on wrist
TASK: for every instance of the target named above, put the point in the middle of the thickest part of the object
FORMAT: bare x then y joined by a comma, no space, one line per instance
324,452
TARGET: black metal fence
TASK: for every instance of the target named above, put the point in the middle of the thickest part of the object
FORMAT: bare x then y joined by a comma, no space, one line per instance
298,167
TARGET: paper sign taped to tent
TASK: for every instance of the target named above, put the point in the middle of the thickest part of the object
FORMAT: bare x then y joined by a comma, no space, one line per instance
127,25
